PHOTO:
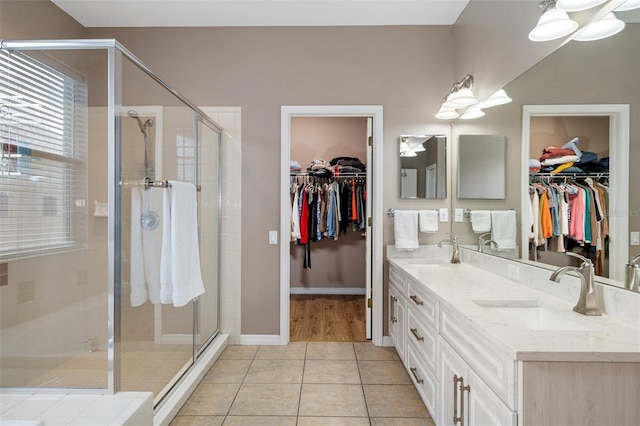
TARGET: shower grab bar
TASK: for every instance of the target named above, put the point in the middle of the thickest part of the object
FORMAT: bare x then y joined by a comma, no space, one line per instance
148,183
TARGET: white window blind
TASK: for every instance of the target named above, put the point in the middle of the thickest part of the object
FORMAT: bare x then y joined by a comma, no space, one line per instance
43,156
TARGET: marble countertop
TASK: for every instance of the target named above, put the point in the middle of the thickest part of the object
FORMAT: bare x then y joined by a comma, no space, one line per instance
474,293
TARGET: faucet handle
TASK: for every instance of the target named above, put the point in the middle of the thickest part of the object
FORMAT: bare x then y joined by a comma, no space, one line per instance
634,260
585,261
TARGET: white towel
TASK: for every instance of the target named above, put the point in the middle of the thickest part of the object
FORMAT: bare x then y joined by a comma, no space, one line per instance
428,220
145,248
180,277
503,229
405,228
480,221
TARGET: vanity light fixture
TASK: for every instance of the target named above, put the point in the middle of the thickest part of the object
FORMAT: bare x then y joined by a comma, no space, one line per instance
460,95
447,113
578,5
498,98
628,5
606,27
472,112
553,24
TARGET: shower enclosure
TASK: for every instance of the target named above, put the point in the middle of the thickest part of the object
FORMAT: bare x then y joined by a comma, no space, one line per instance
90,140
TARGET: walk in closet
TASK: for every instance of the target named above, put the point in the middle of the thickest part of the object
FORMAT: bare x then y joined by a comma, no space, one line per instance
328,191
569,190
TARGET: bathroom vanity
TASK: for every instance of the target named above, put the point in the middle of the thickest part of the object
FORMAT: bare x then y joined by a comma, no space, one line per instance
482,349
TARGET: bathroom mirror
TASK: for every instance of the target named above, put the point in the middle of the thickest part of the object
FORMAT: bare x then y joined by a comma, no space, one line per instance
481,167
554,81
423,171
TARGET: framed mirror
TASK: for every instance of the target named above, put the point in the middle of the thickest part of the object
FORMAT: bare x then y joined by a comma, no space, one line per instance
423,166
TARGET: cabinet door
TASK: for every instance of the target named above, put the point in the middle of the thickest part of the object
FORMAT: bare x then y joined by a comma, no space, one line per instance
397,322
450,365
485,408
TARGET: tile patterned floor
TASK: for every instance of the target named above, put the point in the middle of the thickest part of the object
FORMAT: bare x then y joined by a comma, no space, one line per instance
306,384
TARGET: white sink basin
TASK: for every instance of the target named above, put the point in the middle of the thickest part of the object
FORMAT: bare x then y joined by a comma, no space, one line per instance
423,262
530,315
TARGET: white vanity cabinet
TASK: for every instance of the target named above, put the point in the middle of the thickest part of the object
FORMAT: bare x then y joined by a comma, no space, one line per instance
397,304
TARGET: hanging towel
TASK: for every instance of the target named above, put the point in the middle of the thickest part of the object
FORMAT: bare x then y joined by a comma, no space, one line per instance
428,220
503,229
180,279
480,221
405,227
152,242
138,287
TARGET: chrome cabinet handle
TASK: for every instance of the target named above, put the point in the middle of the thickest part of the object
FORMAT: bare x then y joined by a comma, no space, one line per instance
393,309
416,300
414,331
414,371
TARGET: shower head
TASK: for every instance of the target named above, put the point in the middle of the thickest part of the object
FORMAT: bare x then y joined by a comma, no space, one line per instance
143,126
132,113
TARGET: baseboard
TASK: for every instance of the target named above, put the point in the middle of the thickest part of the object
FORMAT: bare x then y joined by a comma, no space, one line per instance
328,290
259,339
386,341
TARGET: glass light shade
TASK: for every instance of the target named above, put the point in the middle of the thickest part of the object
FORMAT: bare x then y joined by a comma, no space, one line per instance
446,113
409,153
628,5
418,148
462,98
498,98
577,5
404,147
553,24
471,113
605,27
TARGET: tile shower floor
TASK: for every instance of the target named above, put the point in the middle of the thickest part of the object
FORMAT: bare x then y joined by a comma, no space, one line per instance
314,383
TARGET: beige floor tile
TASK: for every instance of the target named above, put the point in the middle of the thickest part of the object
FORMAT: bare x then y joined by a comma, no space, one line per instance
319,400
383,373
260,420
397,421
330,371
197,421
227,371
394,401
266,400
333,421
294,350
239,352
330,350
275,371
369,352
210,399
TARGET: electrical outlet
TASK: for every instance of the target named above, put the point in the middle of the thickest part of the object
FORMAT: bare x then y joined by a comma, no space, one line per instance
635,238
459,215
513,272
273,237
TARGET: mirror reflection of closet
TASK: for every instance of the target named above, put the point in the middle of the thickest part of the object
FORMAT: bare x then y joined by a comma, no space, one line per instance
423,171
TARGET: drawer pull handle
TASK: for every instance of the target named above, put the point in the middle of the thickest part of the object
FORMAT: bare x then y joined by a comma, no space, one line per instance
456,419
416,300
393,310
414,371
414,331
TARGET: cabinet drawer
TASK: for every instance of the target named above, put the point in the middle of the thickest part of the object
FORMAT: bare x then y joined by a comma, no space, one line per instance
423,302
491,363
424,338
425,382
397,278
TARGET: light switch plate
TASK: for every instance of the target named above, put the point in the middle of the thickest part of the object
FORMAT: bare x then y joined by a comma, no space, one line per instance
444,215
459,215
635,238
273,237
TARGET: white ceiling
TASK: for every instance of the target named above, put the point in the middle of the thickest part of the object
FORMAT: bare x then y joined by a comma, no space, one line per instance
238,13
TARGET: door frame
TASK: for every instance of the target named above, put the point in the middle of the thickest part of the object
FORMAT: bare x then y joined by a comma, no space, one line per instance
374,175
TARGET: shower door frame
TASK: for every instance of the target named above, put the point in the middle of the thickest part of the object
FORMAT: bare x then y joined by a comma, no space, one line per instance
115,52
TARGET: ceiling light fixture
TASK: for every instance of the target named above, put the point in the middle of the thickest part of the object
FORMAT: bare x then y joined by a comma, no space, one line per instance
553,23
605,27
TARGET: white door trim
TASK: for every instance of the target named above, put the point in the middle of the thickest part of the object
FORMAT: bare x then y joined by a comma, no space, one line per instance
618,175
374,175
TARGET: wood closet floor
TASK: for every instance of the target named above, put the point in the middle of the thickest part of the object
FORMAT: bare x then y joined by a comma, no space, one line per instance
327,318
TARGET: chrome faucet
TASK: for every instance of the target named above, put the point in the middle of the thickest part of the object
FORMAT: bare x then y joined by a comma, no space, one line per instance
455,256
482,242
587,303
632,274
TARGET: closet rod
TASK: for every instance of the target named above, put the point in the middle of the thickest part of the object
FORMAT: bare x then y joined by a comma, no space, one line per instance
573,175
341,175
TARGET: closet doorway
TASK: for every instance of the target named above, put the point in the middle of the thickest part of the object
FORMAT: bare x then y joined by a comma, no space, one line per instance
330,283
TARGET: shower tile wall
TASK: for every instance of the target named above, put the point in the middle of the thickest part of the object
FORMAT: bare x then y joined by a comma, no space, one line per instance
231,155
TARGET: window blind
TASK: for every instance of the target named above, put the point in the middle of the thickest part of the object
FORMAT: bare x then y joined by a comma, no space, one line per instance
43,157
